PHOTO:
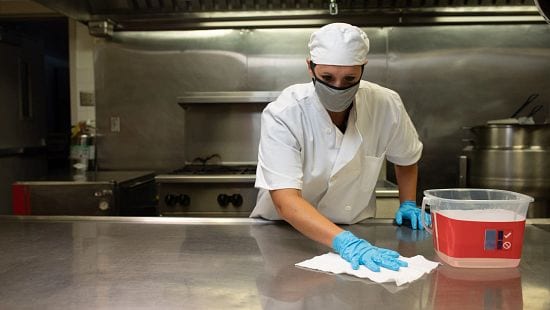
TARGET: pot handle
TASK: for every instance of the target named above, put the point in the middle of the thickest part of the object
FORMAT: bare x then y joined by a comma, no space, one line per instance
425,201
530,99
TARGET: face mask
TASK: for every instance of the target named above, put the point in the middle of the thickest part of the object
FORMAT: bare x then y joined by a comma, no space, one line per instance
335,99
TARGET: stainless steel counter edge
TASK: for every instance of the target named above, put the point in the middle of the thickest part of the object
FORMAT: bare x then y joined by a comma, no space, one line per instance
141,220
186,220
64,183
174,178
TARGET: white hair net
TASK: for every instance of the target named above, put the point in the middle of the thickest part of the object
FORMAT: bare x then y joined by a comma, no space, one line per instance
339,44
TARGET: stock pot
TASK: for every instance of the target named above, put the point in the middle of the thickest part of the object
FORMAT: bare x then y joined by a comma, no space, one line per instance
510,157
511,136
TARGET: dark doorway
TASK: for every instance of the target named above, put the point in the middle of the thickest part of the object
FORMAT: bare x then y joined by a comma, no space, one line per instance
48,39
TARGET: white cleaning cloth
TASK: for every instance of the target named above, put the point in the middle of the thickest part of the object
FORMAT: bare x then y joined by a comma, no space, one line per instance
332,262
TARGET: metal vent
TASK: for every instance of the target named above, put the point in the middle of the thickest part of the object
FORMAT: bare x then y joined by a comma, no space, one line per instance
176,6
215,14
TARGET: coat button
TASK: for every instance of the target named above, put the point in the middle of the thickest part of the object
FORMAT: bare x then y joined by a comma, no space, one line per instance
347,208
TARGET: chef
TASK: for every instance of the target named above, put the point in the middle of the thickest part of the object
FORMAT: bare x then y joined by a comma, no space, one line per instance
322,146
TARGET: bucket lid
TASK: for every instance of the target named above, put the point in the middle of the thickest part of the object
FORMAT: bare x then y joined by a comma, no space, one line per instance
436,193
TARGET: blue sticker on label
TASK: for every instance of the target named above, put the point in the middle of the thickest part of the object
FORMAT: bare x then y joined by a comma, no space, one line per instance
490,239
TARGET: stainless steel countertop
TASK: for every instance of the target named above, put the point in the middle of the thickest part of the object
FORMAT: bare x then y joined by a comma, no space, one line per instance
197,263
115,176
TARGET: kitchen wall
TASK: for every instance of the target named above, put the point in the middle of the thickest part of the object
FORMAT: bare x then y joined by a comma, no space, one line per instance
448,76
81,62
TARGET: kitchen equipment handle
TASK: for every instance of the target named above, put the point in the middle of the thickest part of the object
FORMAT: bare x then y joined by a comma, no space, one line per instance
139,183
462,170
423,214
530,99
535,110
25,90
333,7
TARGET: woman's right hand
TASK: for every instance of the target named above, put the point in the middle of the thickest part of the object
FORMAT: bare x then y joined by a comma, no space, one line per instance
360,252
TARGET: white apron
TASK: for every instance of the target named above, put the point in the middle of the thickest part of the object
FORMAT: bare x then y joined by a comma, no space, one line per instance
296,151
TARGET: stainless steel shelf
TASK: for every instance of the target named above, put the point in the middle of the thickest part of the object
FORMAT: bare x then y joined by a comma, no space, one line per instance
231,178
191,98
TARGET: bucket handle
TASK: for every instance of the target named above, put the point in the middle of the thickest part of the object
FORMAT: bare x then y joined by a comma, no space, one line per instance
425,201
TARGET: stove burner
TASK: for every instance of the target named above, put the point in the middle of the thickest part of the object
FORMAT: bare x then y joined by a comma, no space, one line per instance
216,169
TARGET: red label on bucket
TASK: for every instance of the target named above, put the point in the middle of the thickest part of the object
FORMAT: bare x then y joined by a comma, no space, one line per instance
477,239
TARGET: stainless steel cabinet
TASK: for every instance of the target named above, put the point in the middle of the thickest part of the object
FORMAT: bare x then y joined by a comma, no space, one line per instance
100,193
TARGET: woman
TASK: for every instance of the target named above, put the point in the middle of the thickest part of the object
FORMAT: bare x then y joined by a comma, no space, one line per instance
322,146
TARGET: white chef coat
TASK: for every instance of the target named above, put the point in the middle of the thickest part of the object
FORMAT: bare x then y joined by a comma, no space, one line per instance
301,148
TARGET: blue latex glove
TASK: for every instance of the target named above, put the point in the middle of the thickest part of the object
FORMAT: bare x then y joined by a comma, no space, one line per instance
360,252
408,210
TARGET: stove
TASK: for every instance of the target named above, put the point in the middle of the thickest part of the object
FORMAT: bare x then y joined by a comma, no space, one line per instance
207,190
216,169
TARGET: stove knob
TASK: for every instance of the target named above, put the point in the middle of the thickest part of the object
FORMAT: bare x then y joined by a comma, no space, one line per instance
237,200
184,200
170,200
223,200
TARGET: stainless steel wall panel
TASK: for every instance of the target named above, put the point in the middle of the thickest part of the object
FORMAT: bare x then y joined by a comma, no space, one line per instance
140,74
130,91
447,76
229,130
138,78
455,76
276,58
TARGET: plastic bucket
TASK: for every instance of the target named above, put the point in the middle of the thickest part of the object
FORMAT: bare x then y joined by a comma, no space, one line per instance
476,289
477,228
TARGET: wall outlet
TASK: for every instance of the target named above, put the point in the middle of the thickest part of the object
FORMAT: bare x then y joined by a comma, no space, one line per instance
115,124
87,99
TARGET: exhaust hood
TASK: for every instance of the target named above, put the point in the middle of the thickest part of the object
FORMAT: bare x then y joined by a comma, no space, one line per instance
105,16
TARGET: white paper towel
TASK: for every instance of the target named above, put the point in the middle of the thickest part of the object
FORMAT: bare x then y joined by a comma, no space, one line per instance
332,262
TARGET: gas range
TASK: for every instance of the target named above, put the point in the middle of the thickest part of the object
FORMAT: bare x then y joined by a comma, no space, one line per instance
208,190
210,169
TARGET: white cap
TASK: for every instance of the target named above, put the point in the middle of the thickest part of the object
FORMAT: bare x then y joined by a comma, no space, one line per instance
339,44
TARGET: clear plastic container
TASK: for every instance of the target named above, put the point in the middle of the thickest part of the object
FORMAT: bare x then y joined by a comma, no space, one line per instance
477,228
